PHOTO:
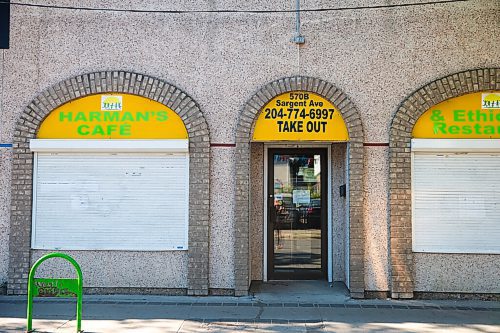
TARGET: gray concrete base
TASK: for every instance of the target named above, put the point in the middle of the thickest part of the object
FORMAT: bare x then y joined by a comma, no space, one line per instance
299,291
153,314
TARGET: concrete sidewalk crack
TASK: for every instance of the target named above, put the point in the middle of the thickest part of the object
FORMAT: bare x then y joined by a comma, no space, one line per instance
188,317
64,323
181,325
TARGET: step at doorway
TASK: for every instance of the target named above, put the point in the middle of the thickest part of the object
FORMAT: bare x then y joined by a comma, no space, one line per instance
299,291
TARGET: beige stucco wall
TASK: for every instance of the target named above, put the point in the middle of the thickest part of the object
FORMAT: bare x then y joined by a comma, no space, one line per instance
376,215
462,273
121,269
221,217
257,211
376,56
5,161
339,219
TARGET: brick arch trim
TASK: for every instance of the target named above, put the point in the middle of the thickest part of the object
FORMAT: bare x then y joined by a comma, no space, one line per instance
119,82
247,118
454,85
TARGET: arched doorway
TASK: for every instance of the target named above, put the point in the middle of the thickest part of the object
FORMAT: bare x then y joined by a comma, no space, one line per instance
294,136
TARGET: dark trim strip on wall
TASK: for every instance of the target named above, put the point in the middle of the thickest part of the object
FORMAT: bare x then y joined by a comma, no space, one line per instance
9,145
365,144
375,144
223,145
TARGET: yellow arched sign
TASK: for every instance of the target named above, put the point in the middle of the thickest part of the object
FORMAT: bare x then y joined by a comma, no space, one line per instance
471,116
300,116
113,116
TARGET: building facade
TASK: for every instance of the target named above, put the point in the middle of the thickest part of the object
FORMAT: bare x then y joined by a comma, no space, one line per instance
182,148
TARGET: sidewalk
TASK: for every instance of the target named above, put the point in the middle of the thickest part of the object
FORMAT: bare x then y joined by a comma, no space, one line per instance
261,312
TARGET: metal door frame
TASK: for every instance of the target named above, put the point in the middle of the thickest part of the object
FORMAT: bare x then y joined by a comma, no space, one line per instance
326,187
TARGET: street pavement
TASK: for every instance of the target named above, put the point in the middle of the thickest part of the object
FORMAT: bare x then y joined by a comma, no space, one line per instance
264,311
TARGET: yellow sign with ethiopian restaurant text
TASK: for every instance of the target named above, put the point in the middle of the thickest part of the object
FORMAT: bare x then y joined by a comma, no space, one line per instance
471,116
113,116
300,116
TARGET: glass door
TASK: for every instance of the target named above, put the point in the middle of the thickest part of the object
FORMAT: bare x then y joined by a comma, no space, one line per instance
297,214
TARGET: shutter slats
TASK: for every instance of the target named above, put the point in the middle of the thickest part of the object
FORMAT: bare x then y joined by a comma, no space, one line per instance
111,201
456,202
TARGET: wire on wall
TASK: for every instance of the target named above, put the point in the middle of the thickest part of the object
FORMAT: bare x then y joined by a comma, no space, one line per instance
246,11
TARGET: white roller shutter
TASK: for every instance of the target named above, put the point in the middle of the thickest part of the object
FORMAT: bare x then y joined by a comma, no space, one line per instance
456,202
110,201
